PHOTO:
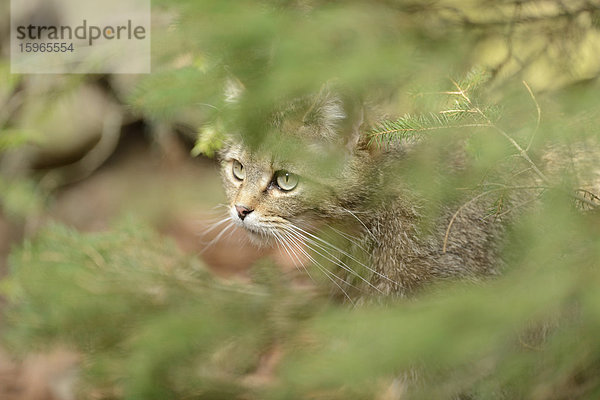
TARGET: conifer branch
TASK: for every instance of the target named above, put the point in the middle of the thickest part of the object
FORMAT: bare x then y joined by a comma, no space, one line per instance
466,114
412,125
461,114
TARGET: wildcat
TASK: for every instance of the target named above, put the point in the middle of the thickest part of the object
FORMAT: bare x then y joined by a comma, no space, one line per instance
317,172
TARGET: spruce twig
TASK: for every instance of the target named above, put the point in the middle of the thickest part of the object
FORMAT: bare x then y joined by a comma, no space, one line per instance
465,108
522,152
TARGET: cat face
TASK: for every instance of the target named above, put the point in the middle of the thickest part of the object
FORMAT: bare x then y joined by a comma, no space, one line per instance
294,180
270,196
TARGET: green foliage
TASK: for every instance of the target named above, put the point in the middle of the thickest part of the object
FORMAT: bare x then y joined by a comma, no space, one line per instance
20,198
150,322
503,340
282,50
10,139
462,111
162,95
210,140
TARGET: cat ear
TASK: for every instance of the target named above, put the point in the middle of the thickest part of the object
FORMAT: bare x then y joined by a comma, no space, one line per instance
233,91
354,136
338,117
326,113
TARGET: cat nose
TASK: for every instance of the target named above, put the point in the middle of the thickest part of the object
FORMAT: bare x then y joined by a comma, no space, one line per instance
243,211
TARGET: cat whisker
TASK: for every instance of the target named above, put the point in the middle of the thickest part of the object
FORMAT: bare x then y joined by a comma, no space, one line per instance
216,224
218,237
348,237
220,205
325,270
277,241
293,256
299,241
215,214
362,223
337,261
344,235
230,234
315,262
327,273
330,257
298,229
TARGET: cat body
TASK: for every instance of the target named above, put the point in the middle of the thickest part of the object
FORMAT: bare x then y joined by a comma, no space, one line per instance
287,197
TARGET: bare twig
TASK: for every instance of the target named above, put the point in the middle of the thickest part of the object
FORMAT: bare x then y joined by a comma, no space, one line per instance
522,152
455,215
520,205
480,195
591,197
539,116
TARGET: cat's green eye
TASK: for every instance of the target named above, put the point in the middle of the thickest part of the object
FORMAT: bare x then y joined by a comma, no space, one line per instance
286,180
238,170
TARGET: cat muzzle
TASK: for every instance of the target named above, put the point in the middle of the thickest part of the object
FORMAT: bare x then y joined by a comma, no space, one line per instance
242,211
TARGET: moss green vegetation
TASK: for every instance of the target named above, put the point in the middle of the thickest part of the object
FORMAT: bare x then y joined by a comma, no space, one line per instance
508,79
